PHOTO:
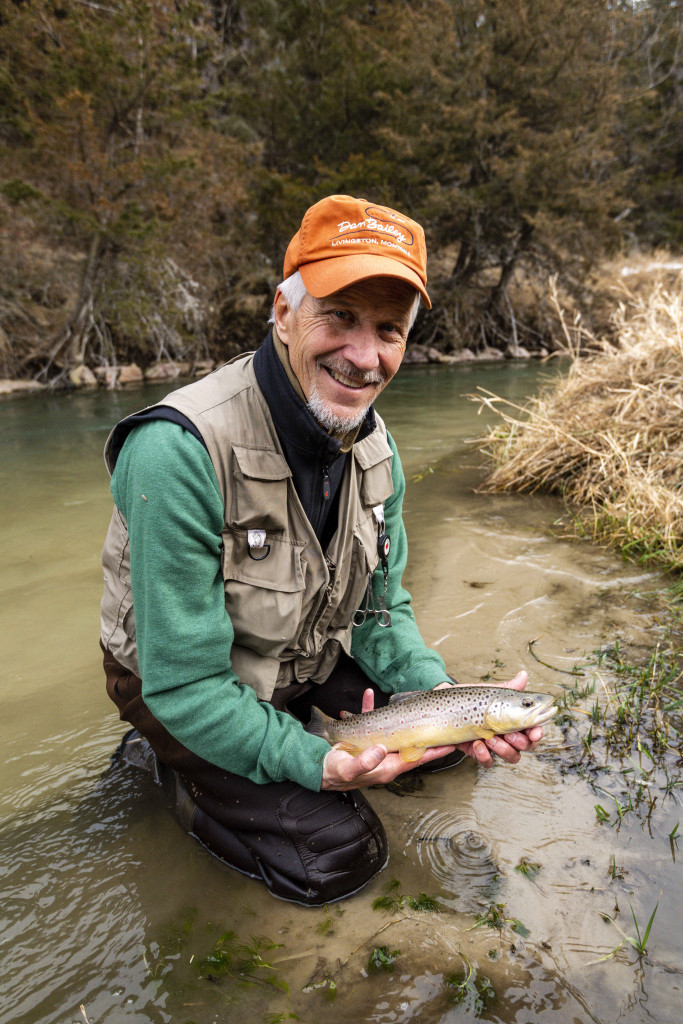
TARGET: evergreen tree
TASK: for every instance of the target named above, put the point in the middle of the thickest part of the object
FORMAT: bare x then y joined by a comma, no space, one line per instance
106,106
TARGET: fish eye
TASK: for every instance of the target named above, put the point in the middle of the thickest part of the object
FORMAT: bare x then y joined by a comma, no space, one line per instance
527,703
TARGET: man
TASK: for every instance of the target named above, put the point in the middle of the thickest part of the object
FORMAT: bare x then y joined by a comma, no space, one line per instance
258,515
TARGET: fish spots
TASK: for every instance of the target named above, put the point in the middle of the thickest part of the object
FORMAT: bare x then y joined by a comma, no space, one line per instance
453,715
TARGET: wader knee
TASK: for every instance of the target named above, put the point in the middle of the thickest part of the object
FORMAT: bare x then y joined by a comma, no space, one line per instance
311,848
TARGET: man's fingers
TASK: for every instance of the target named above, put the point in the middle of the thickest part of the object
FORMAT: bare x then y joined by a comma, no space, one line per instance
527,740
374,766
481,753
519,682
502,749
368,703
507,748
368,760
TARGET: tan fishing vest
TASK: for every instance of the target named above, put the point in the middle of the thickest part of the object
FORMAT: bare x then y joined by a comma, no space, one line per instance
290,610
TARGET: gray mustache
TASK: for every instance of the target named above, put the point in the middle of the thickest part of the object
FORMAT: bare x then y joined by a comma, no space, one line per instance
351,371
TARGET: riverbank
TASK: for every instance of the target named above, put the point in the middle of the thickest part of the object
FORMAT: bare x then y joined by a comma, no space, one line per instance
111,377
608,436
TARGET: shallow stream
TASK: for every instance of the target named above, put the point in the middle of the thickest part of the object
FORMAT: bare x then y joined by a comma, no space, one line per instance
506,886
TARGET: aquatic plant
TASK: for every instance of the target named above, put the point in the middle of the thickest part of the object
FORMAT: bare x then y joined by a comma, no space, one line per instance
637,941
630,752
528,868
326,926
494,917
242,962
640,944
394,900
382,959
470,990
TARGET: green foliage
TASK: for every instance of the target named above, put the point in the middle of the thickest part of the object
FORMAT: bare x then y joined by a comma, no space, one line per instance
382,959
394,900
528,868
18,191
520,135
637,941
471,991
494,917
242,962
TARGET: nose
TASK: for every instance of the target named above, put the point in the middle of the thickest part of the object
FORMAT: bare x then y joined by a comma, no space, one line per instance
362,348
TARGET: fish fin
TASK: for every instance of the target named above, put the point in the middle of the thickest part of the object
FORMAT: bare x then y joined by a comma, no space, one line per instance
411,753
319,724
483,733
349,747
346,714
406,695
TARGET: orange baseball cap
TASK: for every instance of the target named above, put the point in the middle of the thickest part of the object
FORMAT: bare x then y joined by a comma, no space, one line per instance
343,240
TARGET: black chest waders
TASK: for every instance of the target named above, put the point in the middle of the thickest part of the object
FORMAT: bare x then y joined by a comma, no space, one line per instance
312,848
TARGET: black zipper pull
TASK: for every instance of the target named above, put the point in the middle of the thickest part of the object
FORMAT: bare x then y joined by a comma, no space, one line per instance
326,484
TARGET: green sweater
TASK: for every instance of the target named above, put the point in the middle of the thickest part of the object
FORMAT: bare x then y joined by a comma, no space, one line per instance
166,488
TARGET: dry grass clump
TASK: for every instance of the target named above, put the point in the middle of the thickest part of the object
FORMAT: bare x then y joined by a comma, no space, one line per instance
609,436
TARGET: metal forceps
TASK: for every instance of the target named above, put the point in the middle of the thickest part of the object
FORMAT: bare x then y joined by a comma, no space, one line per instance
373,606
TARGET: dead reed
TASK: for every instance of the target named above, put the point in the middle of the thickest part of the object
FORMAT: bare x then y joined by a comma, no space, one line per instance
608,436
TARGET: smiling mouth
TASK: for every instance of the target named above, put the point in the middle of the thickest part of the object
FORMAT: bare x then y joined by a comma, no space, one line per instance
348,382
354,383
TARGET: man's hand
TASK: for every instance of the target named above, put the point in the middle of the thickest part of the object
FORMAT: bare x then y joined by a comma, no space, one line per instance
372,767
507,747
375,766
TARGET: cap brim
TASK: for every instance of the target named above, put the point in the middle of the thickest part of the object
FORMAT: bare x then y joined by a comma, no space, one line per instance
325,277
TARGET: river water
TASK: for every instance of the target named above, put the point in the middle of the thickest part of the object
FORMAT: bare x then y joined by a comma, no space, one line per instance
109,910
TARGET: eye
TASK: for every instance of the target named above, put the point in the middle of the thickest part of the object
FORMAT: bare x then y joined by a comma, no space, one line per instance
527,703
389,328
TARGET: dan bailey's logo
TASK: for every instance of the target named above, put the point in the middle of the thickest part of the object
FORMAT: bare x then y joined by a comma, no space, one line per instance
374,222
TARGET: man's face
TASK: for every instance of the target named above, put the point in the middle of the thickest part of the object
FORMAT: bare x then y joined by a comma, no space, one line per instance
344,349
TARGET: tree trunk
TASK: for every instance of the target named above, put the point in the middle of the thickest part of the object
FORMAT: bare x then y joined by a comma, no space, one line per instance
68,347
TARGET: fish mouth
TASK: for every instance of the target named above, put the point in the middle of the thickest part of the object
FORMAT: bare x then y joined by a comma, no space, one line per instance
540,715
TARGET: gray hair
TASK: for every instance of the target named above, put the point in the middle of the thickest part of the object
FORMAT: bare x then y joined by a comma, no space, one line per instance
294,291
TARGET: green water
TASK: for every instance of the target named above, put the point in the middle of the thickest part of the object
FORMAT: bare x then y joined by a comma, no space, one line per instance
106,904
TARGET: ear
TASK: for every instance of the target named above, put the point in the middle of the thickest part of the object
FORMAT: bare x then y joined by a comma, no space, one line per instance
283,316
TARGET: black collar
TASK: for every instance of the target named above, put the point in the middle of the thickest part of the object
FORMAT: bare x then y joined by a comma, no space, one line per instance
295,425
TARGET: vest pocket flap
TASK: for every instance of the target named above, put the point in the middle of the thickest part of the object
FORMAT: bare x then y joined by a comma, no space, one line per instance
261,463
374,455
371,450
279,569
259,490
376,485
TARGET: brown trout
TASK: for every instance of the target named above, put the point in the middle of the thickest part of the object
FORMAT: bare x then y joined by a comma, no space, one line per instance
413,721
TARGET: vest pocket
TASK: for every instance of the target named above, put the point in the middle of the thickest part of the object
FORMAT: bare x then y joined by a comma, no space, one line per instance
259,493
263,598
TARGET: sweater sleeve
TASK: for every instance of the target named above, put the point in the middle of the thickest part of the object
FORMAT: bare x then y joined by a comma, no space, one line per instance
166,488
396,658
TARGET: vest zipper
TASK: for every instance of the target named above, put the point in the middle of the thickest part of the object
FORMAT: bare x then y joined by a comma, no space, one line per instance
323,606
326,483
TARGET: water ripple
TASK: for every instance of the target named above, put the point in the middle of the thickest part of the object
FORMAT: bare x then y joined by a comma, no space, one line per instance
460,858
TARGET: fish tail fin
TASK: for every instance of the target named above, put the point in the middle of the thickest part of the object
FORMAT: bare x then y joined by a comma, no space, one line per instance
319,724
